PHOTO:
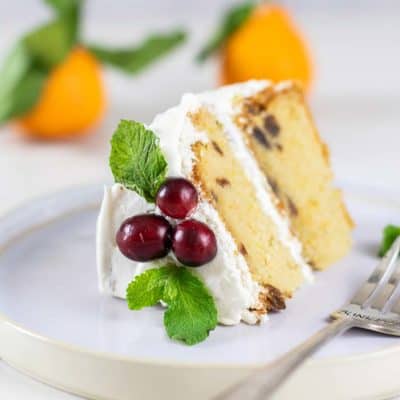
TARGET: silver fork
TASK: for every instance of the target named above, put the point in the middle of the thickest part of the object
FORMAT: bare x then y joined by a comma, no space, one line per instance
375,307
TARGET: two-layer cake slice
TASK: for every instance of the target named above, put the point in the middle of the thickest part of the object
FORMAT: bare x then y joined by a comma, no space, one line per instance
263,176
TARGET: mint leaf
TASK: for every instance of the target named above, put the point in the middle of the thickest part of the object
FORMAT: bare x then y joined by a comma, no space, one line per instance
147,289
390,234
232,20
135,59
136,159
191,312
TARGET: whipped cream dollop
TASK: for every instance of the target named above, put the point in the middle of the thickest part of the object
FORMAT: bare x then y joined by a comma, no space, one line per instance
227,276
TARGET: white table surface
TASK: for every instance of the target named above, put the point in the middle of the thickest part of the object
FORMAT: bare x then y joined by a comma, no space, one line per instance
356,105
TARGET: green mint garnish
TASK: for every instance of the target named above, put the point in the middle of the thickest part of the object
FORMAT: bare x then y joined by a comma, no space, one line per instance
390,234
232,21
134,59
191,312
136,159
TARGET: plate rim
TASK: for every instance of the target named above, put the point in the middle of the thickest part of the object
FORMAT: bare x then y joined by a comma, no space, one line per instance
329,360
80,190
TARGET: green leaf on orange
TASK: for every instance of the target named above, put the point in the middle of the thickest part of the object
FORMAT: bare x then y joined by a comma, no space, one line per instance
22,83
134,59
231,21
70,10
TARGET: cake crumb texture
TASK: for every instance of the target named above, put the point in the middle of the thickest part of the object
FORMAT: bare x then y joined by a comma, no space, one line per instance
281,134
225,185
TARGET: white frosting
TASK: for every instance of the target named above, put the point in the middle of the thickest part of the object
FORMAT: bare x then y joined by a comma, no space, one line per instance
227,276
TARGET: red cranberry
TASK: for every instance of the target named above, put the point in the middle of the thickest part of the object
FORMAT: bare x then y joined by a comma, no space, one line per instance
144,237
194,243
177,198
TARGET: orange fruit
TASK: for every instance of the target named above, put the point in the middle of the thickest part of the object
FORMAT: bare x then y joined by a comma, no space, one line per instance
72,100
267,46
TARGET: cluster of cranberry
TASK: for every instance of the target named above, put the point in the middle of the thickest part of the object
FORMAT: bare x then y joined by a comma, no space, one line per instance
147,237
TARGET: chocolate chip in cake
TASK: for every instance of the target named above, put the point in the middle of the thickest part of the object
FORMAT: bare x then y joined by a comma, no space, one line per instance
274,185
292,207
260,137
222,182
217,148
271,125
243,249
279,147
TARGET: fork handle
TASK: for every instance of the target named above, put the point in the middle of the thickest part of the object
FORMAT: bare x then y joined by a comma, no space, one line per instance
266,381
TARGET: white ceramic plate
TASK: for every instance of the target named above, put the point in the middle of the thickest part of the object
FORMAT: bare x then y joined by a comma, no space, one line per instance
55,326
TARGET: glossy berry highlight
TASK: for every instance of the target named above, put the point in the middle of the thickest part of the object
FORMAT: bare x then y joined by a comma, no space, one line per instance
177,198
144,237
194,243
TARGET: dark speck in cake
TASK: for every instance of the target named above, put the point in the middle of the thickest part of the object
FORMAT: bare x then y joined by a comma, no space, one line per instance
272,298
254,108
260,137
279,147
217,148
243,249
292,207
222,182
274,185
214,196
271,125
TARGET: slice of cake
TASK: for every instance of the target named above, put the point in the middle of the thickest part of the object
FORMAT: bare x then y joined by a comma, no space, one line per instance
280,133
208,188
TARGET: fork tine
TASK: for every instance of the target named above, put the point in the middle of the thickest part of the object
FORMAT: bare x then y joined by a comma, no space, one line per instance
396,307
383,299
379,277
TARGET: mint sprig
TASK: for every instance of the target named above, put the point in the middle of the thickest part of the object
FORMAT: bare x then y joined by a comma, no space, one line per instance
191,312
231,21
136,159
390,234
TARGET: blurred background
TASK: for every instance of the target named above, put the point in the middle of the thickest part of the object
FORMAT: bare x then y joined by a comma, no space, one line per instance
355,95
355,92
